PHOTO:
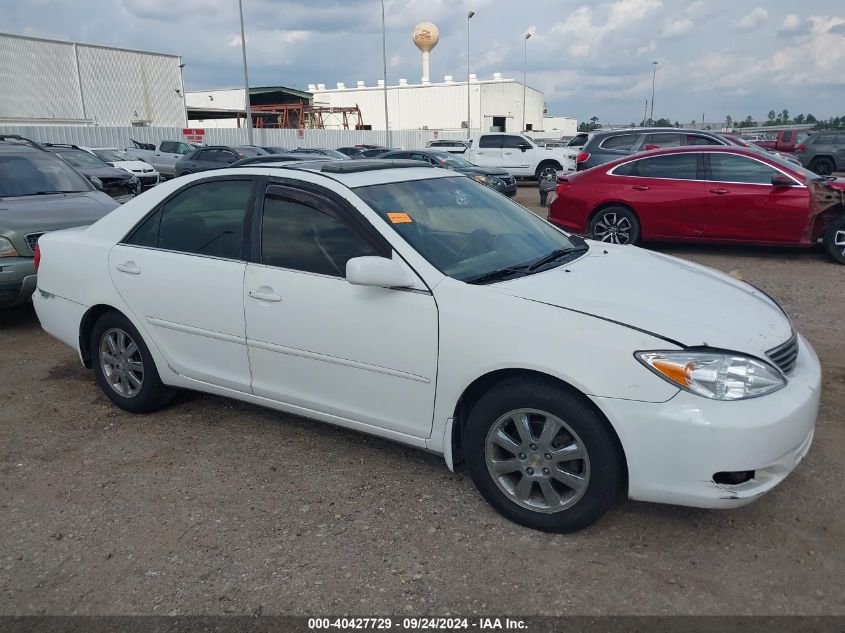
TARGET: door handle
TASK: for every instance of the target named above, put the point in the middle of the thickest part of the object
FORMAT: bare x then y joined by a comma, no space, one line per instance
640,187
721,191
265,293
129,268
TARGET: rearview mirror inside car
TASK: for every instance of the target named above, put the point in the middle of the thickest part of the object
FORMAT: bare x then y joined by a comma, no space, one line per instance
377,271
781,180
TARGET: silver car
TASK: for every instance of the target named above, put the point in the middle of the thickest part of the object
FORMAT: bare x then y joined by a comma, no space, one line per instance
39,192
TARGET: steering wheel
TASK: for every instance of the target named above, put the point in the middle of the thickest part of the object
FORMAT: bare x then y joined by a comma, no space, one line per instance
474,244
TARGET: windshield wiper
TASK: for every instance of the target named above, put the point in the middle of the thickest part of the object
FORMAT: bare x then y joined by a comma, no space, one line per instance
50,193
555,255
497,275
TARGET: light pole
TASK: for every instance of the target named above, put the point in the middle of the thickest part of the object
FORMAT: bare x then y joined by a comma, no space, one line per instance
384,61
524,76
469,17
246,79
653,76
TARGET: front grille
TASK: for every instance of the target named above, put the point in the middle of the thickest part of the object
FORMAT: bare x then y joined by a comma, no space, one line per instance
148,180
509,180
32,240
786,355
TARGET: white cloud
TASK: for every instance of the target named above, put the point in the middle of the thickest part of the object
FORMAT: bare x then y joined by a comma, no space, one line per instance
647,48
676,28
697,9
752,20
584,34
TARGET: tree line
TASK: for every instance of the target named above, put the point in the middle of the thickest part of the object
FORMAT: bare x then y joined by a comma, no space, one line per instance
774,118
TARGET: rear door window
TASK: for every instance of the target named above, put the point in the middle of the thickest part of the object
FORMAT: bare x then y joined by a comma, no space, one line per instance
622,142
667,139
204,219
695,139
825,139
674,166
490,141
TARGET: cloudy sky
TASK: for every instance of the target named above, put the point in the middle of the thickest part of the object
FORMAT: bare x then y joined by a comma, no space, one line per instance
590,58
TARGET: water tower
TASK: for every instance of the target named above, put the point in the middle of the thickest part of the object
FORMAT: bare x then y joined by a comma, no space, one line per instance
426,36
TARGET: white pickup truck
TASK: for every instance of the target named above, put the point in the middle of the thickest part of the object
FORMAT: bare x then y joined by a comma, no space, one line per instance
162,156
520,155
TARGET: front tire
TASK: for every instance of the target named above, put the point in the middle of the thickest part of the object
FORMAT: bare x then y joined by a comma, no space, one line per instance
834,240
541,457
616,225
822,166
124,367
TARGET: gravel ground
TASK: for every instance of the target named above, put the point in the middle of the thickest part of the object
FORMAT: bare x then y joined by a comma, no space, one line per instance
211,506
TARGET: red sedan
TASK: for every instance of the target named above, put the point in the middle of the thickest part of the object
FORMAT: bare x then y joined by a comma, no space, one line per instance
721,194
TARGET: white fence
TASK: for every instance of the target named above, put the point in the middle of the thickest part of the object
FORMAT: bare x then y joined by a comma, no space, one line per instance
121,137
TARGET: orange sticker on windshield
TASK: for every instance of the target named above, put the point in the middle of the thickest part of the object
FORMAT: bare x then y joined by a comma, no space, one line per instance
399,218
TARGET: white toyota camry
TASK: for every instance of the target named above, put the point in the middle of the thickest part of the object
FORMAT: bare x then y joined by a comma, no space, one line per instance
418,305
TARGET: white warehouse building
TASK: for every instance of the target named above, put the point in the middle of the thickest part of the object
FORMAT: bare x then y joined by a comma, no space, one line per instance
53,82
495,104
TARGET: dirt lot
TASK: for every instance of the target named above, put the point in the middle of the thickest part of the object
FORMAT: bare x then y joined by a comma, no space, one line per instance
211,506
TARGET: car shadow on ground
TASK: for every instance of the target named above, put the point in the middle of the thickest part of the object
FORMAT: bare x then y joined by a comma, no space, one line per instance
20,317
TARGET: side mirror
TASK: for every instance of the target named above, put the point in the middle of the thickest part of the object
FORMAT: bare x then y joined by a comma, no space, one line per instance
651,147
380,272
524,146
110,164
96,182
781,180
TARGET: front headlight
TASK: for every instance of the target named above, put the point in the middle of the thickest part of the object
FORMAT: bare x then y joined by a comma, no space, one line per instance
482,179
7,249
714,375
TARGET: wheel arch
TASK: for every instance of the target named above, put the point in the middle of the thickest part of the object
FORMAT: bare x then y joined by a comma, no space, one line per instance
614,203
86,327
483,384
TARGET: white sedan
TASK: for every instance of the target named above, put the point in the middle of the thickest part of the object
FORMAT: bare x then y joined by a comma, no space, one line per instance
418,305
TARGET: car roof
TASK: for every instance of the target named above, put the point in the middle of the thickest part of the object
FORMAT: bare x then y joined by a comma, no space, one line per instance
687,149
357,173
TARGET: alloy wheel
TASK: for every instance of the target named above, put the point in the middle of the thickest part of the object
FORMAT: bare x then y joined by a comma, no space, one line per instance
121,362
537,460
548,173
839,241
614,228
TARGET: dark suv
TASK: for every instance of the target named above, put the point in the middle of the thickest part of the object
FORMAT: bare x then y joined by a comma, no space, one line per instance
823,152
604,147
39,192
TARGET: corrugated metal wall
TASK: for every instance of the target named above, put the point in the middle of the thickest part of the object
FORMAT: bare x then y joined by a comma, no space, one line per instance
39,80
122,136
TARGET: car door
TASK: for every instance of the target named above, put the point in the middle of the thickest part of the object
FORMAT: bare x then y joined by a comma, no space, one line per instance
489,151
742,203
317,342
666,192
514,153
180,272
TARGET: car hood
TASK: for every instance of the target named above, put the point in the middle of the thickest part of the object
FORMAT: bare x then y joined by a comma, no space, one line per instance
483,171
33,214
105,173
672,298
129,165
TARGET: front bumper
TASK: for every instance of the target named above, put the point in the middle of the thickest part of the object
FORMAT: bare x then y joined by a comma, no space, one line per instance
17,280
674,448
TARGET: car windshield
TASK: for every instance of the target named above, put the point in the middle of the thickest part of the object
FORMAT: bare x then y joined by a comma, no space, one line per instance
450,160
112,155
82,159
468,231
246,150
38,173
334,154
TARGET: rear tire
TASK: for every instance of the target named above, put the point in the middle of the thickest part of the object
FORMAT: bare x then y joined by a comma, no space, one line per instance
541,457
547,169
834,240
822,166
616,225
124,367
